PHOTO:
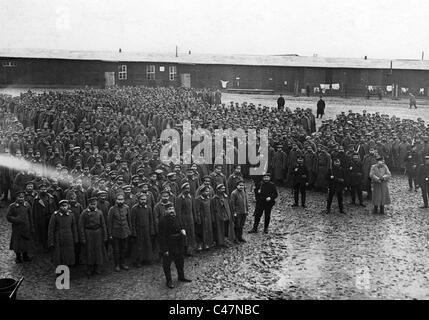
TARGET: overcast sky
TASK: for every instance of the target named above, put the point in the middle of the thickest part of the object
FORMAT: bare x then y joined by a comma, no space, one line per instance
330,28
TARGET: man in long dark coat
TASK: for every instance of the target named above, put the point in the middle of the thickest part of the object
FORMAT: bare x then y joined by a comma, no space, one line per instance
62,235
185,210
44,206
93,235
142,230
19,215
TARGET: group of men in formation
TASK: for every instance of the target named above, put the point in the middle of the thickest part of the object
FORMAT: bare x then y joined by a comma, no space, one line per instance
96,187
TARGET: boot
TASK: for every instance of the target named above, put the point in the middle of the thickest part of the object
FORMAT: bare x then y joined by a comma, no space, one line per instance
266,230
375,210
295,205
117,268
170,284
254,230
124,266
97,269
381,209
182,278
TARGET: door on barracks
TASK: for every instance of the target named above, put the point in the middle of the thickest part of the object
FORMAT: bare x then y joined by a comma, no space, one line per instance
109,79
185,80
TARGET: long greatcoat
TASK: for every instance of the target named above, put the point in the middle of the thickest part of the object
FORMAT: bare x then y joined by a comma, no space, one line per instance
221,211
142,228
380,176
93,234
62,235
185,210
20,217
204,220
42,211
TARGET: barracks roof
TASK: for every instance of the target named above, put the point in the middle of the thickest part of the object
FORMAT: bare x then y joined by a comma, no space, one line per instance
216,59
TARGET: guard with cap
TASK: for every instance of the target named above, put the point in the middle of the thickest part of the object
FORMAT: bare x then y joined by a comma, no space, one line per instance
336,185
266,194
239,209
172,244
19,215
355,172
300,180
62,235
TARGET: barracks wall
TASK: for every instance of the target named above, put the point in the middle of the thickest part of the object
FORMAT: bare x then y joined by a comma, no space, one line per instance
75,73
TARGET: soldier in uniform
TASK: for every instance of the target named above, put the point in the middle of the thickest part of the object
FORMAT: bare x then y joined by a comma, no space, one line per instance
62,235
93,234
355,171
119,226
172,244
266,195
300,182
336,185
19,215
423,181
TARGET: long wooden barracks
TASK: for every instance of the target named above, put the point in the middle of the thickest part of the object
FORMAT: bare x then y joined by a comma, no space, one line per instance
288,74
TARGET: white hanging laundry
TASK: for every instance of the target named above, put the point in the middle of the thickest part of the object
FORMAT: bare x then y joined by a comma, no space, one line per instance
370,88
335,86
422,91
404,90
224,83
316,89
389,88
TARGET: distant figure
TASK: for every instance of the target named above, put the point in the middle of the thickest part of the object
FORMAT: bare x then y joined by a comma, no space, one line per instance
280,102
413,101
320,108
218,97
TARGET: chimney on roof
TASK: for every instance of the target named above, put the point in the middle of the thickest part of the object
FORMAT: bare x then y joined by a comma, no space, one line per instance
189,51
314,55
423,55
177,53
120,50
366,57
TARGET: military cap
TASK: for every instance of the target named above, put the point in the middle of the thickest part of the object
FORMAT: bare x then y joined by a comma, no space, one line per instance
159,171
92,200
219,186
63,202
184,185
165,191
20,192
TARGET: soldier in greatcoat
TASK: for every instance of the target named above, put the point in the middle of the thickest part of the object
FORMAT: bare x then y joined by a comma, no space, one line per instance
19,215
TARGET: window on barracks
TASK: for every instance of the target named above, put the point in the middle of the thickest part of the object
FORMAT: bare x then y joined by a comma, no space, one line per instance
8,64
173,72
150,72
122,72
